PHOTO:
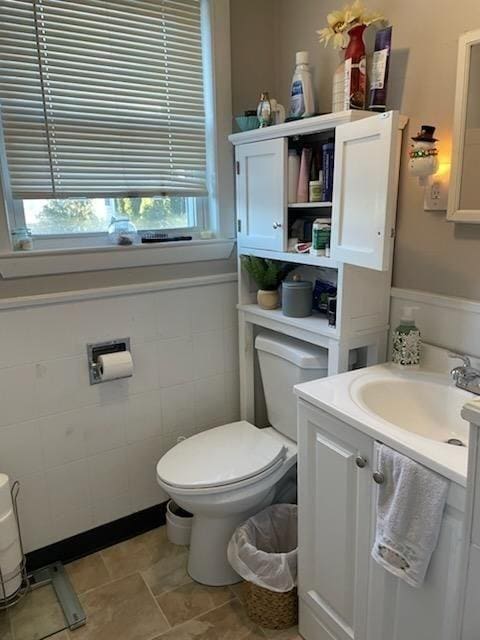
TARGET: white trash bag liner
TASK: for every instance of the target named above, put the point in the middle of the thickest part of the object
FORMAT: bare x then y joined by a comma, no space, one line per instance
263,550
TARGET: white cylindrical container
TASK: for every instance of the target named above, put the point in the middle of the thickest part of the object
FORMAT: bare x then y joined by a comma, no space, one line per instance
5,495
179,524
10,555
293,173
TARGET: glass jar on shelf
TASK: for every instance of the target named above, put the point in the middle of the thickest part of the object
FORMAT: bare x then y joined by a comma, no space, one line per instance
22,239
122,231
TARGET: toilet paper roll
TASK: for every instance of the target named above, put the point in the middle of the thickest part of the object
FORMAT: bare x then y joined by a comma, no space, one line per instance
8,530
115,365
12,583
5,495
10,561
10,558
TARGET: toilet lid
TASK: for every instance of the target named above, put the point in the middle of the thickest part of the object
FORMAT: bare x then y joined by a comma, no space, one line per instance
220,456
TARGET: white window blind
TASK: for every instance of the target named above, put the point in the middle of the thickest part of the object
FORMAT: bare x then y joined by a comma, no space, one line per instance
102,97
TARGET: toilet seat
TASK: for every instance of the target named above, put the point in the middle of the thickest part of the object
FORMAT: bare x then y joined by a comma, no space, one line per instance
234,454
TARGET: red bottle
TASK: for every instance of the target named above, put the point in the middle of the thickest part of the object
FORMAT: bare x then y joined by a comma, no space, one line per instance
356,68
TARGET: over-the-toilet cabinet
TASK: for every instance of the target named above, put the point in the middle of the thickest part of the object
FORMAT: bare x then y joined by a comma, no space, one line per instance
364,191
344,594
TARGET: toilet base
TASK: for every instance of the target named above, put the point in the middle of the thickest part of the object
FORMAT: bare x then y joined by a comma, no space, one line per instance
207,559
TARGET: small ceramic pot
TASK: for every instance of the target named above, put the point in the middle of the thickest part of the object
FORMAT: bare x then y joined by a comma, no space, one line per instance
268,299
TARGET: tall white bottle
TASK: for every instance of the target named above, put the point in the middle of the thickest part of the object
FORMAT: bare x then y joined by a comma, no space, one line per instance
302,101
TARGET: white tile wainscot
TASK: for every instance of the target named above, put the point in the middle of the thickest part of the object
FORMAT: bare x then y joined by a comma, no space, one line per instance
85,455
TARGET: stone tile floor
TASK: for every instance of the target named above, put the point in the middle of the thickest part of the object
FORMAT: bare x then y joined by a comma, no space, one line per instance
139,590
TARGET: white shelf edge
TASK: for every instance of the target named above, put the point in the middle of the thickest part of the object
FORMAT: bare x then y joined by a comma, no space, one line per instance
285,256
298,127
309,205
56,261
316,323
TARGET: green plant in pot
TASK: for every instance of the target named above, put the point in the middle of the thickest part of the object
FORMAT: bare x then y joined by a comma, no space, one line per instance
268,275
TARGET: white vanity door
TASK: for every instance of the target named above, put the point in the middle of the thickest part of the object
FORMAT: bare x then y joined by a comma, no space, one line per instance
334,527
471,620
261,169
367,154
431,612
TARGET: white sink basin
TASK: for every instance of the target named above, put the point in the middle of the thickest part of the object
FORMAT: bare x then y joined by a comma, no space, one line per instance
426,407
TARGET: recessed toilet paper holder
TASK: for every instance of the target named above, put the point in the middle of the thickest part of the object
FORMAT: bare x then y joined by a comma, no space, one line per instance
94,351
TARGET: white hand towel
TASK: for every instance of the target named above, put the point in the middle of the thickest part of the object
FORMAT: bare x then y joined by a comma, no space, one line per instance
410,505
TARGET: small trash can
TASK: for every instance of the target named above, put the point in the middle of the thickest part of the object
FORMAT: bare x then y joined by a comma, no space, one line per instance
179,524
263,551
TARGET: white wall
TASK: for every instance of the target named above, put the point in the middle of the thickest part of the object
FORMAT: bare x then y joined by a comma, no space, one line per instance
448,322
431,254
86,455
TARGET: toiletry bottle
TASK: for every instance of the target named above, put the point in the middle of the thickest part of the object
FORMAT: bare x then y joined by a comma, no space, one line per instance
302,188
293,173
302,104
406,340
264,110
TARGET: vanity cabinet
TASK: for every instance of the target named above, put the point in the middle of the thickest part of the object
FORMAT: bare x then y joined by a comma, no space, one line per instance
344,594
334,525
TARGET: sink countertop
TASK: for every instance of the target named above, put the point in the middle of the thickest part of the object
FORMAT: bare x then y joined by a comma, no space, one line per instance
334,396
471,411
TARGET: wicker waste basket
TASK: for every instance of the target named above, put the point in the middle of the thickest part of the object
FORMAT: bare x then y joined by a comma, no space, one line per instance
263,551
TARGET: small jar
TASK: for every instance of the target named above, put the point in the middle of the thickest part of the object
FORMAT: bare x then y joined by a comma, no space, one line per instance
22,239
297,298
315,191
122,232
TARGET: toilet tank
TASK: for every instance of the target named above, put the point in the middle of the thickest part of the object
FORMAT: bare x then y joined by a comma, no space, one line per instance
285,362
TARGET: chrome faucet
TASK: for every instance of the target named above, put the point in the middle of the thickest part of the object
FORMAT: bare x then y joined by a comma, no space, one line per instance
465,376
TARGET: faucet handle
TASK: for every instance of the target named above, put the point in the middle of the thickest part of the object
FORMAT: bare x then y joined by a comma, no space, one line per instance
465,359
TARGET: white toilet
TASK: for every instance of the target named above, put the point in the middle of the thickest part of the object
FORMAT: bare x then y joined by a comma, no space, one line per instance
226,474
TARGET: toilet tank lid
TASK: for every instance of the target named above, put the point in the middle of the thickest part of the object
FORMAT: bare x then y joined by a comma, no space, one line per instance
302,354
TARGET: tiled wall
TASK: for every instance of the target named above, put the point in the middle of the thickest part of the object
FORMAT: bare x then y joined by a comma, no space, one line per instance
86,455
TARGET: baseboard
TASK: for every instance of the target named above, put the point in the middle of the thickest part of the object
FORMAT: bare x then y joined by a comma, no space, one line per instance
87,542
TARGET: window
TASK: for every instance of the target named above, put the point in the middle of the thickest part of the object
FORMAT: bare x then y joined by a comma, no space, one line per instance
93,215
102,105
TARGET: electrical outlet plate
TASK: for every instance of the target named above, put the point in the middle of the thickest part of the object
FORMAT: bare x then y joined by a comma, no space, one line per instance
436,194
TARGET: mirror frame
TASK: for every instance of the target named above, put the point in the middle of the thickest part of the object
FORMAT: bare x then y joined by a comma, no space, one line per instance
454,213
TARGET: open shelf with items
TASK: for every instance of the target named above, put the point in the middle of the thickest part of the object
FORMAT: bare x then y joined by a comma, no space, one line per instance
309,205
298,258
361,214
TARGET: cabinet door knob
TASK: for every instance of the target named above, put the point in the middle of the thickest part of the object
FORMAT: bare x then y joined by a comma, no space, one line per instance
277,225
379,477
361,462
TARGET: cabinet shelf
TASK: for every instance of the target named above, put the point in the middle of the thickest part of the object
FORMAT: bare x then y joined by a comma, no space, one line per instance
285,256
309,205
315,324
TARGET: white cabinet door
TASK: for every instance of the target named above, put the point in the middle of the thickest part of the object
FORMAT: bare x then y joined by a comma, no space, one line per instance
334,527
471,619
431,612
262,194
367,154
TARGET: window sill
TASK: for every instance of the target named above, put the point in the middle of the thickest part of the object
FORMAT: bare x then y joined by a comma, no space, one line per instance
17,264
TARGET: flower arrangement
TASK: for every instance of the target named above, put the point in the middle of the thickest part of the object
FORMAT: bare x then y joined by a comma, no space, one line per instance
341,21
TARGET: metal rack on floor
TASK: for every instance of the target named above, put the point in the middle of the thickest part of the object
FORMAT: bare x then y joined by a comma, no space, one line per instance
53,575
